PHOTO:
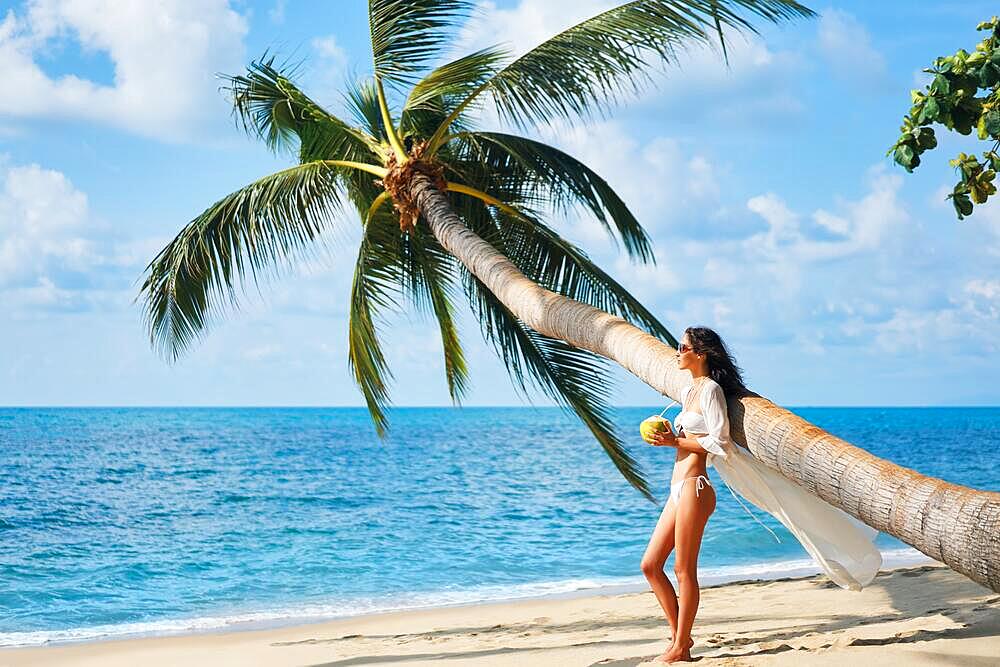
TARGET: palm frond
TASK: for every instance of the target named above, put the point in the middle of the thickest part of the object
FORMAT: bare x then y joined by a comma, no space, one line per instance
545,257
374,290
408,34
433,97
575,378
560,266
717,20
380,200
418,124
506,179
589,67
268,105
392,265
257,229
563,181
452,82
432,274
362,100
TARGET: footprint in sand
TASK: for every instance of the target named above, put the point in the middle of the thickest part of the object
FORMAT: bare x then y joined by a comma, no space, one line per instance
765,648
944,611
776,647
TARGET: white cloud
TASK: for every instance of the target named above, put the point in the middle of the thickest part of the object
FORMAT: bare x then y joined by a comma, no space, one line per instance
868,276
782,223
525,25
666,184
983,297
832,223
847,47
989,289
861,228
703,181
42,219
165,55
43,293
757,76
328,49
802,276
54,253
912,330
326,69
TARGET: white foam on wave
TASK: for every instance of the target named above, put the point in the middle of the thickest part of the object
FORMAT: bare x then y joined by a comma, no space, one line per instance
413,601
307,613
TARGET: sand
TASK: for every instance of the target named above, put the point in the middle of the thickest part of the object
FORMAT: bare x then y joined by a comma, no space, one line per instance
924,615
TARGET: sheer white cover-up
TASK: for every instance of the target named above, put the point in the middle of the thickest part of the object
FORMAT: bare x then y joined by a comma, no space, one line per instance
842,546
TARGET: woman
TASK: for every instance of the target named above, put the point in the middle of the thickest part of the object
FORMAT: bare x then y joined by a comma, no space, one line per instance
841,545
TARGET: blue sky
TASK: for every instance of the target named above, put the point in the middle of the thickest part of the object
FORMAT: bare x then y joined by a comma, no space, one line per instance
836,278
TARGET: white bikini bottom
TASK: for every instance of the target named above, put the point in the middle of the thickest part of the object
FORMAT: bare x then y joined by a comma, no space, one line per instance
700,482
677,487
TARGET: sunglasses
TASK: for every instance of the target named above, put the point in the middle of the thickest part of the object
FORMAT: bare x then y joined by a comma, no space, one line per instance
682,348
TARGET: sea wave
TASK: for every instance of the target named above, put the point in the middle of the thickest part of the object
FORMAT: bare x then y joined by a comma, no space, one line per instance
297,614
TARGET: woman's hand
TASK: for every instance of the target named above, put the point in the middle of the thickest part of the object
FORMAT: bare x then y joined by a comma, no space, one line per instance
664,439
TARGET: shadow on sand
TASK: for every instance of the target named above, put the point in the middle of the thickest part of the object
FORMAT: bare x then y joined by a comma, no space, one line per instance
930,601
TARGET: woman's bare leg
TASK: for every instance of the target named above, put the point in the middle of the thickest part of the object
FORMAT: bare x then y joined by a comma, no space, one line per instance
661,543
692,515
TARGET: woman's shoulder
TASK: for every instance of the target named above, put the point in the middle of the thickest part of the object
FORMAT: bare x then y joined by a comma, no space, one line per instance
712,389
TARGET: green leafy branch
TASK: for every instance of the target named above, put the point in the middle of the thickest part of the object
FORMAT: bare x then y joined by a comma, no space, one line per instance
953,99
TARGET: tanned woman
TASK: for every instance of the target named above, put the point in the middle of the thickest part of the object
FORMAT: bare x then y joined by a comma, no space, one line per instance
842,546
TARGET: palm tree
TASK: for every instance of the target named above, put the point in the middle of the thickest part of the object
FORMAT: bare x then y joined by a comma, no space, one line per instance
448,207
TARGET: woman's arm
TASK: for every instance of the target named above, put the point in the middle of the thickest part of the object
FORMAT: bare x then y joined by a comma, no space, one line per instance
716,414
680,442
691,445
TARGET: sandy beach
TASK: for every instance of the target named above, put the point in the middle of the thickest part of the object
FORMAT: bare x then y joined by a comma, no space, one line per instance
925,615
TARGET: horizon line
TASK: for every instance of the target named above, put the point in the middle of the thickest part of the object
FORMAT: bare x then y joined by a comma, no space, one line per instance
446,407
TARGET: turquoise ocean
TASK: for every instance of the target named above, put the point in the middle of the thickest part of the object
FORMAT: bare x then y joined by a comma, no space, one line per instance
126,521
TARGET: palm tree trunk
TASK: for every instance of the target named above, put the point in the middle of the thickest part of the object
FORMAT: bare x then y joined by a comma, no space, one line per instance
956,525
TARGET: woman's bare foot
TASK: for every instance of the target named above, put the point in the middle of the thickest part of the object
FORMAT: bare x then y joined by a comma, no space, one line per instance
674,654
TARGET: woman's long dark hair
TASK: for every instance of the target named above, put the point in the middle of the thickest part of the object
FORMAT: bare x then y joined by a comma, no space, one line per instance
721,366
